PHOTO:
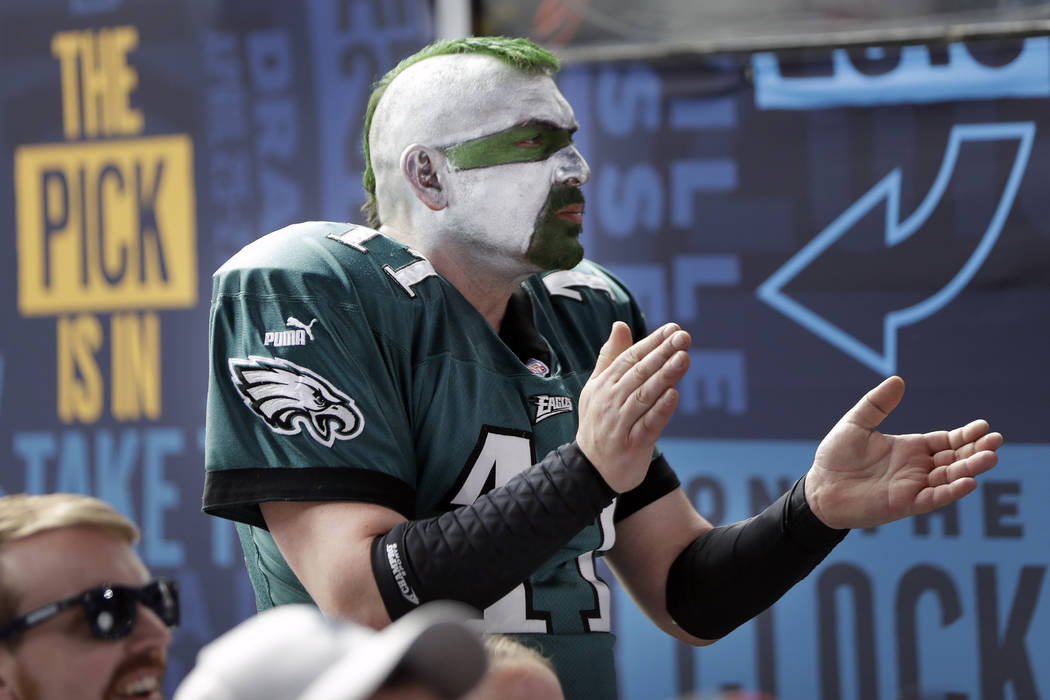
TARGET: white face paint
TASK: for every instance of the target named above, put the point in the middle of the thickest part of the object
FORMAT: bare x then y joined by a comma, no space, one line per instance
491,211
495,209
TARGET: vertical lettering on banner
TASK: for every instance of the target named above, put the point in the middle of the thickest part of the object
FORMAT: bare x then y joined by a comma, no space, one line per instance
648,284
353,44
115,462
136,352
271,72
631,199
73,463
35,448
105,223
80,393
997,509
160,496
97,82
852,580
645,198
228,155
1003,653
916,582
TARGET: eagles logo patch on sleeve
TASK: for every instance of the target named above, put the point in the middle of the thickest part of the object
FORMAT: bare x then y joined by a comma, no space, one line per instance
290,398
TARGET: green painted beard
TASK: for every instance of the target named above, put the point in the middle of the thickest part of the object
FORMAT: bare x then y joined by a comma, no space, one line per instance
555,243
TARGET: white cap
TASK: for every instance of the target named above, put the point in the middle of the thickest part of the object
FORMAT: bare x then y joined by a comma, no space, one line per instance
292,652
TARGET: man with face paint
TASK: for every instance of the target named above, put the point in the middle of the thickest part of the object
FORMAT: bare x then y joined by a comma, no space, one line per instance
447,403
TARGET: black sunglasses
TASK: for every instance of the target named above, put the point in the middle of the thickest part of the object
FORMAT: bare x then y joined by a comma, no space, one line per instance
111,610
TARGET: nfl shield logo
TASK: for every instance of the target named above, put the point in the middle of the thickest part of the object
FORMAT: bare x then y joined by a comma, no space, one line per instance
537,367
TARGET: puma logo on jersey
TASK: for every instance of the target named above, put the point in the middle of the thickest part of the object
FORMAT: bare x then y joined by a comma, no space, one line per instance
290,399
280,339
547,406
293,322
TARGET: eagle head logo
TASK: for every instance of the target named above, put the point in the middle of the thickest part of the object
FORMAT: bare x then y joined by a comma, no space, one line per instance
290,398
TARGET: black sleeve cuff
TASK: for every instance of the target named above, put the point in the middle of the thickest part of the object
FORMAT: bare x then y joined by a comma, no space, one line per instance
659,481
235,494
804,527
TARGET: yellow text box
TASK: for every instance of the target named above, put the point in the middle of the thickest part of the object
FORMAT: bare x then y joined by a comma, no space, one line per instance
106,225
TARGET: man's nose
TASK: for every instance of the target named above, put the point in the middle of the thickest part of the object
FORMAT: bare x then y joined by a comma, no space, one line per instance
150,632
572,169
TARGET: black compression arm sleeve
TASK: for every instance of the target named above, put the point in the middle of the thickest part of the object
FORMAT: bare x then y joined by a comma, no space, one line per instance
732,573
478,553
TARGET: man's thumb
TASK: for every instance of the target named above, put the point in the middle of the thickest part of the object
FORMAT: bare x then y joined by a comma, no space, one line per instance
619,340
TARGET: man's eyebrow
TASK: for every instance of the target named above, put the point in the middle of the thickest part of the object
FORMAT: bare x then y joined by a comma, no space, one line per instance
543,123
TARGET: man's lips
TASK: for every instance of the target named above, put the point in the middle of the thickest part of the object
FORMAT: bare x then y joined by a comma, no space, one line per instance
146,687
142,682
571,212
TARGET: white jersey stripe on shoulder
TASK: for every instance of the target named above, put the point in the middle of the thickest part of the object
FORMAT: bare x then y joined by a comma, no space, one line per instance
561,282
355,237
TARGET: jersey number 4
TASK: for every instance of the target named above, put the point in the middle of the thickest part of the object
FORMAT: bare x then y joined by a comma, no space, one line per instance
498,456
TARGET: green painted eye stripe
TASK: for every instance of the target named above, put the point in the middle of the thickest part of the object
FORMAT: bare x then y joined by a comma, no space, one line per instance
503,147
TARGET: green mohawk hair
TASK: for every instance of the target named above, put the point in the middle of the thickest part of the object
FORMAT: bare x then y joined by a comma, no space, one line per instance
519,53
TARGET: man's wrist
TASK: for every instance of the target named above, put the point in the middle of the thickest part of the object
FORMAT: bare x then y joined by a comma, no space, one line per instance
803,525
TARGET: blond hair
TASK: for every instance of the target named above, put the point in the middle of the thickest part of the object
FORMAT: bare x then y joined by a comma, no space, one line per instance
506,649
22,515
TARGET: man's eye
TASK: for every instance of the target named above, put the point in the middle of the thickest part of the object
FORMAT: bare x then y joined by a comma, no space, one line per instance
531,142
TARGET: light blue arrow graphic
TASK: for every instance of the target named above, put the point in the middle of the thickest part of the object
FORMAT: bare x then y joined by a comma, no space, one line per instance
884,361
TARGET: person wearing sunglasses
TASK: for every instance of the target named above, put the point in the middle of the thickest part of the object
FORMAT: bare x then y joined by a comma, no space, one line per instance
80,617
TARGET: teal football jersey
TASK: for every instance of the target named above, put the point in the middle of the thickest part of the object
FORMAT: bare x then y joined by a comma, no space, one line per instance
344,367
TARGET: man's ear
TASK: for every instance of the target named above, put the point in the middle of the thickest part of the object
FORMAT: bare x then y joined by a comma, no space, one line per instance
419,165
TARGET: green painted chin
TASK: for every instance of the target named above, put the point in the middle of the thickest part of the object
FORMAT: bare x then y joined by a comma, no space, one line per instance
555,243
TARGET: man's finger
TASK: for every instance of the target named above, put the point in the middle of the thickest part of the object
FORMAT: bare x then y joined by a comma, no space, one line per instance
873,408
648,427
933,497
649,366
628,358
966,440
971,432
665,375
619,340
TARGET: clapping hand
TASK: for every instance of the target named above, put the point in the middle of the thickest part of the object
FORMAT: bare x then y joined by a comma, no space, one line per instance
862,478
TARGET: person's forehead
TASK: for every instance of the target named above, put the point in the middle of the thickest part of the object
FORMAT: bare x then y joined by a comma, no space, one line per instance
58,563
478,95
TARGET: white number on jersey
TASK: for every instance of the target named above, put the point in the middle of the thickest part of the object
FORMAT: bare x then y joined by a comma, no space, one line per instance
509,452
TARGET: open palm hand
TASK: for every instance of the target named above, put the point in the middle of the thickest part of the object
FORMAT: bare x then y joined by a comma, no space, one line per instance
863,478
